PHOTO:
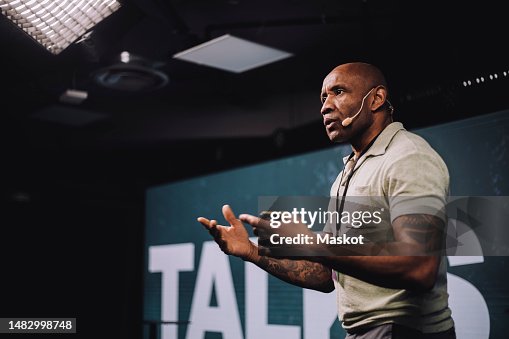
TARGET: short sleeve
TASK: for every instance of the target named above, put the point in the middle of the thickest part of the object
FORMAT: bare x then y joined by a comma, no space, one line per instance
417,183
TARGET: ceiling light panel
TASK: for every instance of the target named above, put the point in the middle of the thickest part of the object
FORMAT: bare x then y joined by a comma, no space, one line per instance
232,54
56,24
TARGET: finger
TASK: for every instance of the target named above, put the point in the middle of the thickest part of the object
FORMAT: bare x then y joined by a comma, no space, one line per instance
254,221
219,239
263,233
230,216
210,225
204,221
213,230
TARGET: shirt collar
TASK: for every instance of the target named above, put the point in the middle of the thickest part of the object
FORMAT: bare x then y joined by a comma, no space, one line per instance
383,140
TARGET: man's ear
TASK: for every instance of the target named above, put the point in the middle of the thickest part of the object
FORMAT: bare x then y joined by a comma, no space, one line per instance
379,98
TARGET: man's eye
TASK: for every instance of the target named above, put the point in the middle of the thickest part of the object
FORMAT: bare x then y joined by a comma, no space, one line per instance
336,91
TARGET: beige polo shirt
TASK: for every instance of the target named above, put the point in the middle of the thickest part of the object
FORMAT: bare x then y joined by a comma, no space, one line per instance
397,170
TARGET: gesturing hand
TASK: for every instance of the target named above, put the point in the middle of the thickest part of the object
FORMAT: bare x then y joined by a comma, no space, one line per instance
261,227
232,239
286,231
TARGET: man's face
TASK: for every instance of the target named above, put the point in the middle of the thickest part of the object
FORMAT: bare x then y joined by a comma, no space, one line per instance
341,97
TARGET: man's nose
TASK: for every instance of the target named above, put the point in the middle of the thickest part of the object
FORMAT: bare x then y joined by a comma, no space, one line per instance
327,106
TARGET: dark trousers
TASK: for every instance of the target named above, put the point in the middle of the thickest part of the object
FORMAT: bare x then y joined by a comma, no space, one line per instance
395,331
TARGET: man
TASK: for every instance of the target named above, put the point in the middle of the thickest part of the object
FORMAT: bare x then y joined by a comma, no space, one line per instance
382,296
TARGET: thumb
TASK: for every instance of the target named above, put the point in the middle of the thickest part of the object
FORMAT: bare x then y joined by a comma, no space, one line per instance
229,215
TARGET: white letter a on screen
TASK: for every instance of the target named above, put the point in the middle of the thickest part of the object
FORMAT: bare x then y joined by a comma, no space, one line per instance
257,313
215,272
257,307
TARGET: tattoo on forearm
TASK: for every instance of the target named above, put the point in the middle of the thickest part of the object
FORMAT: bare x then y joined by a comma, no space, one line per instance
298,272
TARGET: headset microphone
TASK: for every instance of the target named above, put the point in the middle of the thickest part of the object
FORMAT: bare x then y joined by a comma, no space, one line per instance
349,120
346,122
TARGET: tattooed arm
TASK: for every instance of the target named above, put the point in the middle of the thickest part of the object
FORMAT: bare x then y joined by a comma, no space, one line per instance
303,273
423,233
419,232
234,240
410,262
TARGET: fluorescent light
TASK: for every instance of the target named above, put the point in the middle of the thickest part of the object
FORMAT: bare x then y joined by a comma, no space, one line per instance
73,96
56,24
232,54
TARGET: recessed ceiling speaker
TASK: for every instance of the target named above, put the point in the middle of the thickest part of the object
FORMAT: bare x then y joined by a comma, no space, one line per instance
131,74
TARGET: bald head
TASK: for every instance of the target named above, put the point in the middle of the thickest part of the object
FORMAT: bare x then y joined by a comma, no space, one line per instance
366,75
355,91
363,77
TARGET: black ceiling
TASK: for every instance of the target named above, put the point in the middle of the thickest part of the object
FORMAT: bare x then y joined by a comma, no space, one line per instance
220,119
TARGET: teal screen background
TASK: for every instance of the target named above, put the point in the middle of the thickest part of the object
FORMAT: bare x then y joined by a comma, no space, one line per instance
475,151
